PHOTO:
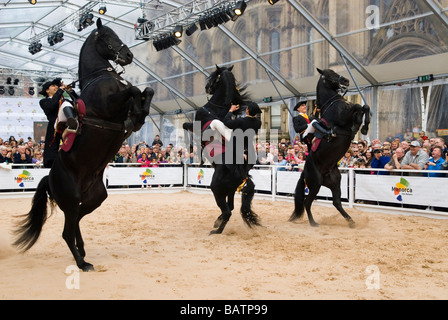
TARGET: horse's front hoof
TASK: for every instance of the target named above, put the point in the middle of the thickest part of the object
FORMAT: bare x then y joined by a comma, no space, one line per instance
217,223
87,267
351,224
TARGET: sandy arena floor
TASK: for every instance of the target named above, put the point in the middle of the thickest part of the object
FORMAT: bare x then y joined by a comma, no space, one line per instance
157,246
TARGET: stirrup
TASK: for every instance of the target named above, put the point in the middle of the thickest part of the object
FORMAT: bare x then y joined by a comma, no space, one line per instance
73,130
330,135
68,130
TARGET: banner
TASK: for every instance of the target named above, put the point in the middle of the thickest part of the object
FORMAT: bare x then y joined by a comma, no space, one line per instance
203,177
17,117
402,190
200,176
287,182
21,179
142,176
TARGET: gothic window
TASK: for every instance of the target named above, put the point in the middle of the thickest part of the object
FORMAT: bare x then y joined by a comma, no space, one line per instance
274,44
189,83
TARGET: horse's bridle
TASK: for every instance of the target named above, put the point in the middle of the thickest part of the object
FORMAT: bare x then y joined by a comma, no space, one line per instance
343,89
116,52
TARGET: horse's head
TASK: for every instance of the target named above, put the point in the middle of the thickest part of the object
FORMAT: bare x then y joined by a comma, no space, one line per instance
214,79
333,81
221,84
109,45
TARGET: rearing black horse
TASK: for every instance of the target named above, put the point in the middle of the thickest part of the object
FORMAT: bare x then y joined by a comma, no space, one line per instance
321,167
222,86
114,108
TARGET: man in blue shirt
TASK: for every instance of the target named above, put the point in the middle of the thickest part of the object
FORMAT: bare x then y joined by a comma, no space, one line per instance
379,161
435,162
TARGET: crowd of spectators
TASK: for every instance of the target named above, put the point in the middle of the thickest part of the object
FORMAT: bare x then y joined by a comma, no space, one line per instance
14,151
404,151
418,153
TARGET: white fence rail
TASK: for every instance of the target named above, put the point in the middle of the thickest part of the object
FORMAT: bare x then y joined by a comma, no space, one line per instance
399,189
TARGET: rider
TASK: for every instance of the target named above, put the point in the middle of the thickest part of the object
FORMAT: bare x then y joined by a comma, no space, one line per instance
53,91
246,123
307,126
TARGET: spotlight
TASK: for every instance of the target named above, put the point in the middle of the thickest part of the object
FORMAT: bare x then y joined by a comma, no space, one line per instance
178,31
222,16
272,2
165,42
11,91
239,8
33,2
85,21
31,91
191,29
59,37
102,10
16,82
55,37
35,47
9,80
51,40
89,18
2,90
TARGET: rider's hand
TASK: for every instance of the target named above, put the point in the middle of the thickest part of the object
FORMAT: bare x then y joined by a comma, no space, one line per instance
233,108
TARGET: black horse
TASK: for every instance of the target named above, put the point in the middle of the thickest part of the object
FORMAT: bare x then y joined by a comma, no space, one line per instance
114,108
321,166
223,88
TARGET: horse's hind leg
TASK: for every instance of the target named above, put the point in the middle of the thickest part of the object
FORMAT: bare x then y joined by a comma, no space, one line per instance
92,200
313,191
221,222
336,191
334,183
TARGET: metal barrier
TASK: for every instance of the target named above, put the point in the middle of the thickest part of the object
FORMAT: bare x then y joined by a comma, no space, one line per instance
402,190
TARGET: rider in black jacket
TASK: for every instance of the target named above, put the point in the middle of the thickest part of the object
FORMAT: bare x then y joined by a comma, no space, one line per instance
53,92
246,123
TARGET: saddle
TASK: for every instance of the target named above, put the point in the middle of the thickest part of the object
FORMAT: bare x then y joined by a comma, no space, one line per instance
68,137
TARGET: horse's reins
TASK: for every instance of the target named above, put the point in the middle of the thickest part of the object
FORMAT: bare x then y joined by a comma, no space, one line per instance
330,103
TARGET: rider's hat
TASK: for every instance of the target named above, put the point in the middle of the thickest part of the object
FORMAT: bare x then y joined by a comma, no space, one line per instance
299,104
48,84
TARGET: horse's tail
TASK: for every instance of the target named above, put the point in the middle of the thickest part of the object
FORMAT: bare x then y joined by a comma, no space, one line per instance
299,199
28,230
247,194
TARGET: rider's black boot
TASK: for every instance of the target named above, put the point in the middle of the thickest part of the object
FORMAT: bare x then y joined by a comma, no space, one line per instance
321,131
72,123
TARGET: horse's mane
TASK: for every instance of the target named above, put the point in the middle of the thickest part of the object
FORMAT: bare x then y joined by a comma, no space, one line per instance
241,93
82,52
